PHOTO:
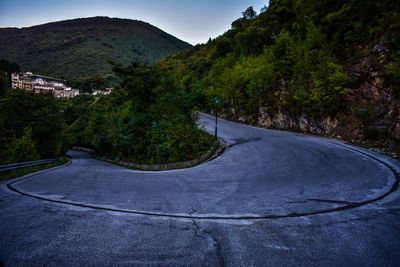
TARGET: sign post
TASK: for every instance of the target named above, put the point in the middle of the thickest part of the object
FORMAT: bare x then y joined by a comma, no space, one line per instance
154,149
216,117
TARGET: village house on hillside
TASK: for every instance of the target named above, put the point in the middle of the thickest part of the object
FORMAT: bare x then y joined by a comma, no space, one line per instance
29,81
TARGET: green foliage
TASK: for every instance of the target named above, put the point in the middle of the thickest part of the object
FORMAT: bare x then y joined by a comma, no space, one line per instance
83,47
22,149
365,118
147,119
30,126
5,175
76,107
371,133
88,84
4,85
249,13
329,85
364,115
6,68
291,57
392,75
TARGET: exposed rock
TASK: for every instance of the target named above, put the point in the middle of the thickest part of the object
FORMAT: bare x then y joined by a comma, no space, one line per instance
285,121
330,125
380,48
222,116
244,119
368,92
382,124
374,73
396,131
378,82
357,75
303,122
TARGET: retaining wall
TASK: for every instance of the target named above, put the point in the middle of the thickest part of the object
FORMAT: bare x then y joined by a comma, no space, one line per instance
217,146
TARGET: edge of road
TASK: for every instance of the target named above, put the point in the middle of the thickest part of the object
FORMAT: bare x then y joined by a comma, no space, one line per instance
215,151
217,217
29,175
305,134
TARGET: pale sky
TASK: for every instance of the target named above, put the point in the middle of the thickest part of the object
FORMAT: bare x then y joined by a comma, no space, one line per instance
193,21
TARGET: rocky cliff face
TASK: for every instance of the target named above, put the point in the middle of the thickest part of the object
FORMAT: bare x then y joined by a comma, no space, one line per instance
284,121
372,112
375,104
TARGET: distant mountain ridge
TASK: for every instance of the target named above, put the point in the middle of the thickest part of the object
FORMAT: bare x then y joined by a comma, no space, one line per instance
83,47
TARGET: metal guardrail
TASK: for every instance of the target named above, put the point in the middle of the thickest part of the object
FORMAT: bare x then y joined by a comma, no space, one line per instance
25,164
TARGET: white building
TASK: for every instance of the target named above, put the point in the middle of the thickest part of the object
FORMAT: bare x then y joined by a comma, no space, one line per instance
26,81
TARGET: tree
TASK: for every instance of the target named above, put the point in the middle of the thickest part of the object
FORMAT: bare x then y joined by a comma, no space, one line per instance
263,9
249,13
41,113
149,118
88,84
6,68
21,149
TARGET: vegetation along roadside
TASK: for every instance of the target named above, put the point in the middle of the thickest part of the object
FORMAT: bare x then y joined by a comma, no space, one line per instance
328,68
5,175
147,119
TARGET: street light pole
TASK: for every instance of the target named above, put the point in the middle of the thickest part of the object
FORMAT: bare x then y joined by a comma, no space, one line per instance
216,117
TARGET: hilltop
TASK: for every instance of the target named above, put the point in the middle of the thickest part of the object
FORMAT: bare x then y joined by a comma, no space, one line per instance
83,47
330,68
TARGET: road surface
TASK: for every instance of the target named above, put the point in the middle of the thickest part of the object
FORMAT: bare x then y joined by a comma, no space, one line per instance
272,198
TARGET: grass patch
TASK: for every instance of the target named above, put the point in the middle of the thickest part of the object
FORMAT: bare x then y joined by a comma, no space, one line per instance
31,169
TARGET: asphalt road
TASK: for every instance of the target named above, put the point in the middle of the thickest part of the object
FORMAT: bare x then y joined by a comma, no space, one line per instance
271,199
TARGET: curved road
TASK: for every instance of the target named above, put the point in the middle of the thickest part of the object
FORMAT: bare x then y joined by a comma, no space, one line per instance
272,198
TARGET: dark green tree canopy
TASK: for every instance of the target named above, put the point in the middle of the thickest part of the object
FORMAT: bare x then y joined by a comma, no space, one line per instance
249,13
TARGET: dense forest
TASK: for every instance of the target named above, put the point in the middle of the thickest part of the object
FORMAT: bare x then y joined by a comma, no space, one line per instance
327,67
81,48
148,118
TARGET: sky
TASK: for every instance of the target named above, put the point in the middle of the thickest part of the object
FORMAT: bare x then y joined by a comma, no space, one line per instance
193,21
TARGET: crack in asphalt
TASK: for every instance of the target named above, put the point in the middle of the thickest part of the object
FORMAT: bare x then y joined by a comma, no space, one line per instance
193,211
190,216
218,248
196,228
217,245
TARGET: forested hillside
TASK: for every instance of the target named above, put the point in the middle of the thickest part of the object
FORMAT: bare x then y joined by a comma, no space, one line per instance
148,118
329,67
83,47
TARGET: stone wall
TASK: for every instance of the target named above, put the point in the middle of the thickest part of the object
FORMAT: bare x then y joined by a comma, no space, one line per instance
217,147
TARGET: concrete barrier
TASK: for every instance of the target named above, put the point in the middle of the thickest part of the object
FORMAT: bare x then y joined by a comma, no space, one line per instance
214,151
217,147
83,149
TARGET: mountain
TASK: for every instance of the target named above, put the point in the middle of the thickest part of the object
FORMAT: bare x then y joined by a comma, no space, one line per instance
83,47
329,67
